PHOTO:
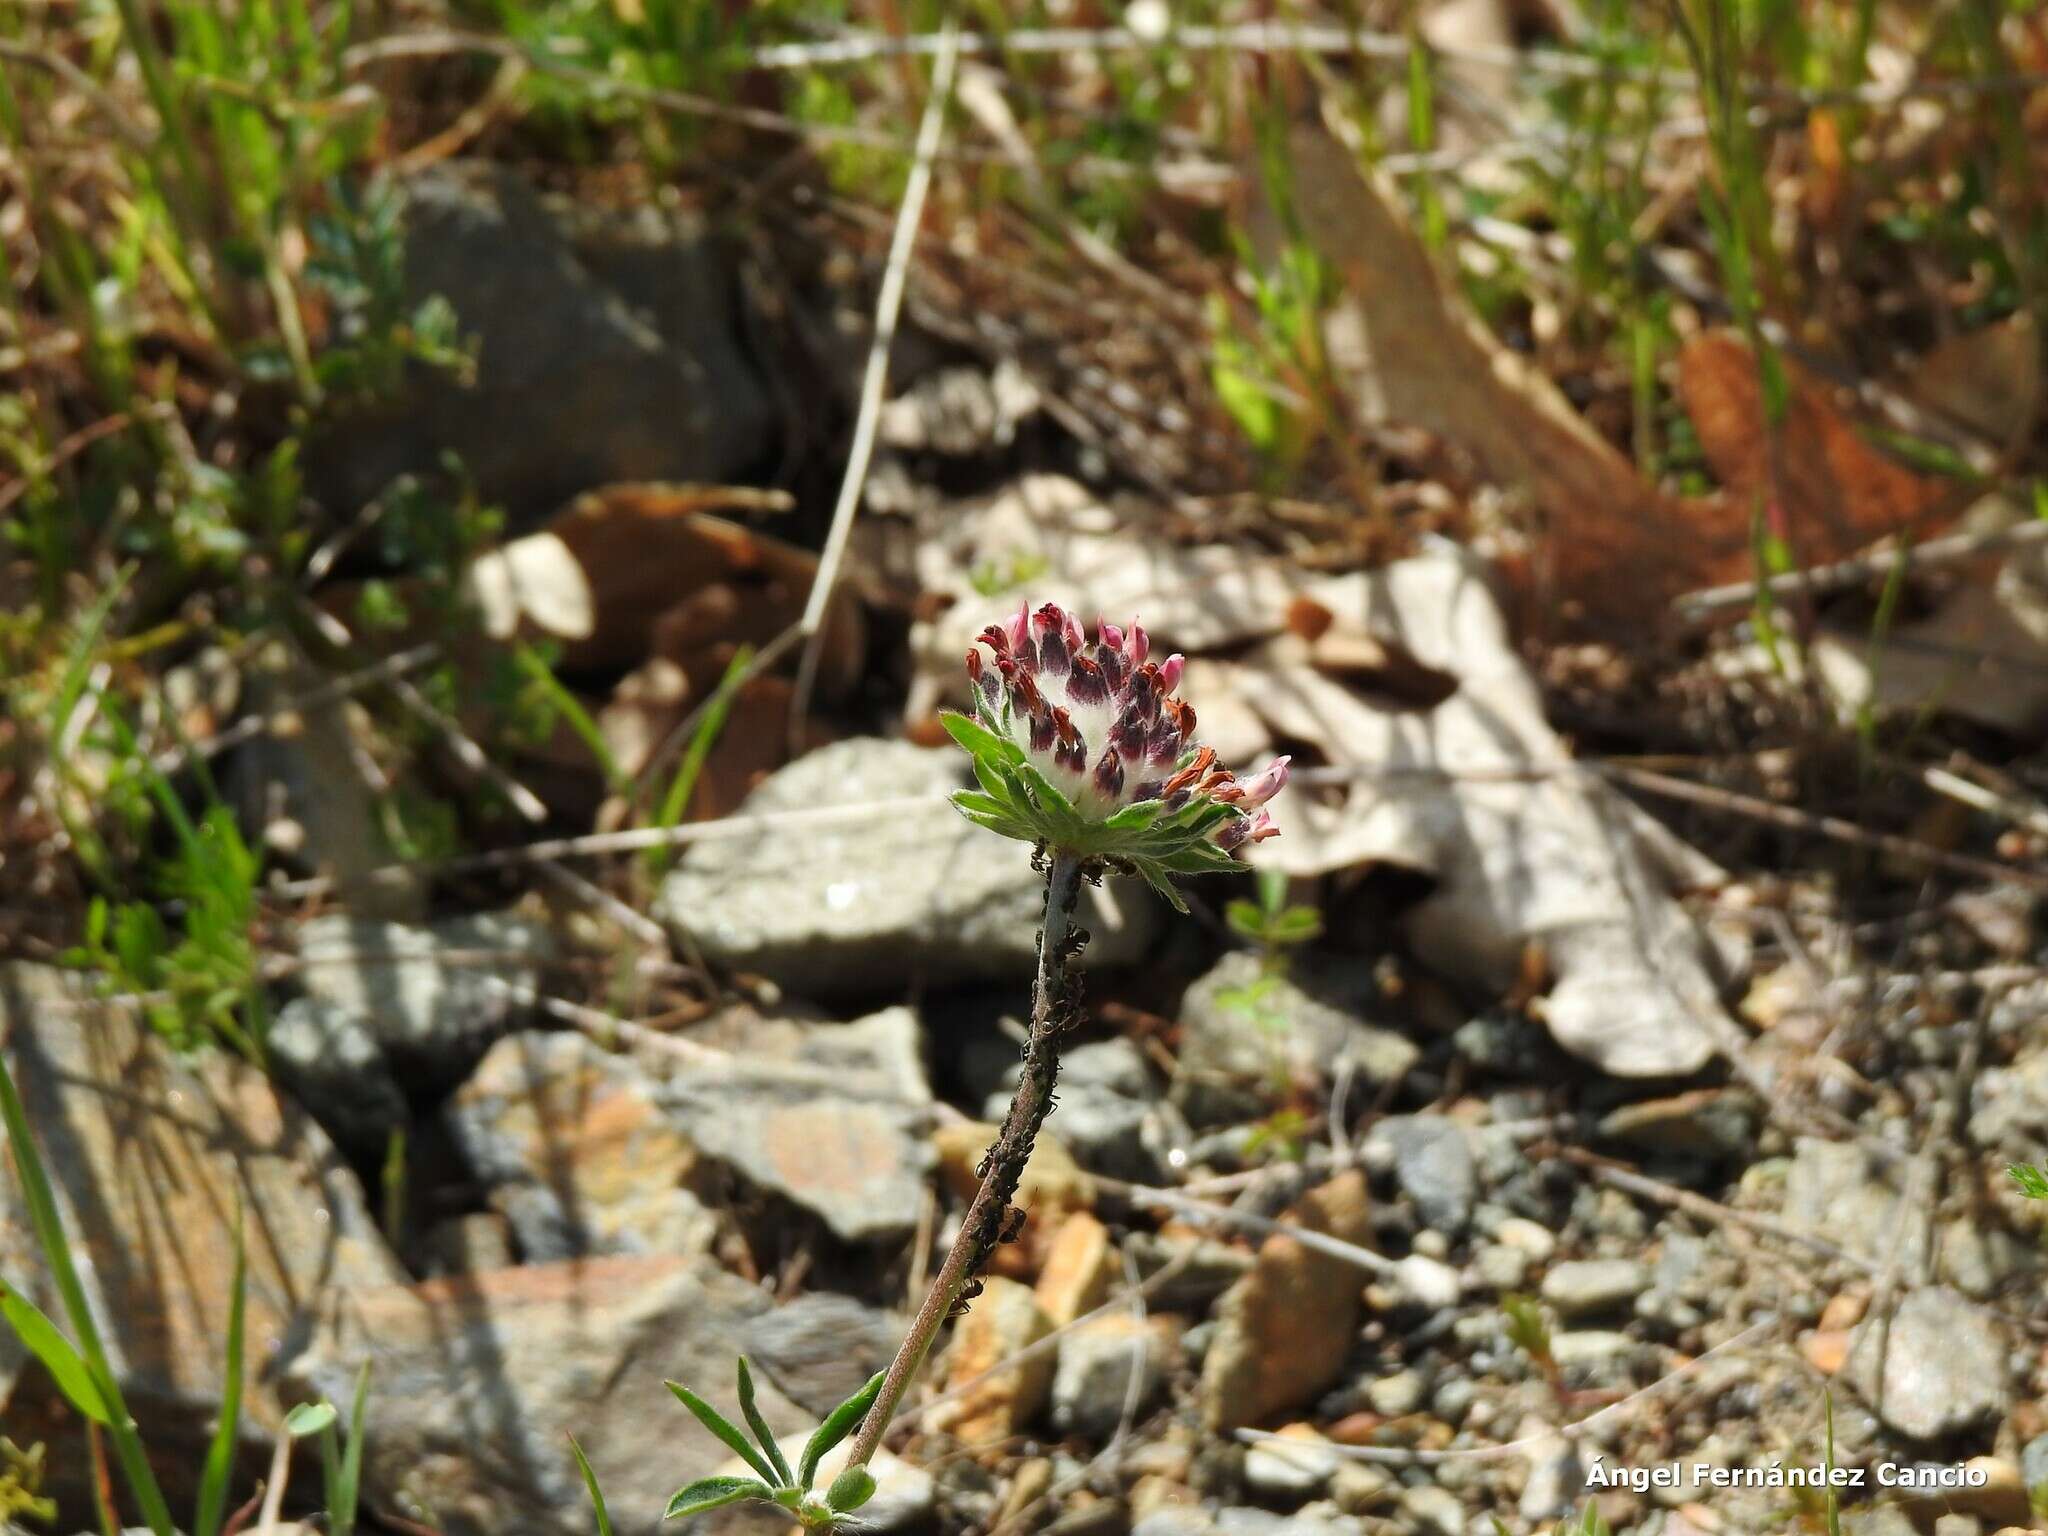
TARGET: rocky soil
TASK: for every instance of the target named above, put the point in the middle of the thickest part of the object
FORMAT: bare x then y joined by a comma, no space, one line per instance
1212,1252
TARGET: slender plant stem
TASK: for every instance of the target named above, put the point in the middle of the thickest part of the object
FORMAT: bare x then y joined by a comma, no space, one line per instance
1004,1164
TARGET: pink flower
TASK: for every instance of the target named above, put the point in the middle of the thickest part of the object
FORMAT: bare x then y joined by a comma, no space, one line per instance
1099,720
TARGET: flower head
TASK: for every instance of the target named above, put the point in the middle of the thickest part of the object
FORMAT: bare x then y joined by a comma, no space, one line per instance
1082,746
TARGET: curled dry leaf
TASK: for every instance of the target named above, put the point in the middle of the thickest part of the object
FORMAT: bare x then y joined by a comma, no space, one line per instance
607,571
1477,792
1832,492
1412,351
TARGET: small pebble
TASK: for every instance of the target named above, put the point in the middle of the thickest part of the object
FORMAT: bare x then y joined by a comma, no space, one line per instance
1396,1395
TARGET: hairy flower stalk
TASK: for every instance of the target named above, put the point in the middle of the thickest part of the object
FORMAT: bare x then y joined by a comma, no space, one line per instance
1081,748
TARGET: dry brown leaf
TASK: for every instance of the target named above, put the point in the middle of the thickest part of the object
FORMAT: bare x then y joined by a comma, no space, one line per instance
602,577
1478,793
1834,492
1987,381
1421,357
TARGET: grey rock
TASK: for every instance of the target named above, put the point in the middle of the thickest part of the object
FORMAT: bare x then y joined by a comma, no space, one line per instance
1310,1520
1398,1394
2009,1106
573,1147
1453,1400
1496,1043
333,1063
1580,1287
1958,1525
2034,1462
858,1164
819,1348
1526,1236
969,1493
471,1244
606,351
1243,1031
1860,1201
1428,1283
1290,1471
1668,1311
833,1118
300,782
1555,1481
876,903
1944,1364
877,1056
150,1154
1590,1348
434,997
1175,1520
475,1381
1092,1382
1682,1263
1210,1268
1497,1267
1105,1099
1434,1167
1432,1511
1980,1260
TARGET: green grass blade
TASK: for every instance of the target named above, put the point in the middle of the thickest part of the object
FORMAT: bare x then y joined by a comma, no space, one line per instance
349,1477
48,1344
839,1423
571,709
684,784
760,1427
220,1455
717,1423
604,1519
42,1211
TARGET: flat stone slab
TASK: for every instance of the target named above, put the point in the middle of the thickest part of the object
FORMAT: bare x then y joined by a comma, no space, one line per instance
880,903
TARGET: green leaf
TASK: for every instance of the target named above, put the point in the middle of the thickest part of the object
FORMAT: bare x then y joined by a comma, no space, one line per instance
853,1487
309,1419
978,739
49,1230
604,1519
716,1422
839,1423
1201,816
1201,859
997,780
2033,1182
1155,876
1296,925
759,1425
975,802
1050,803
1247,919
1136,818
715,1493
1008,826
219,1466
716,710
65,1365
341,1508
